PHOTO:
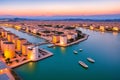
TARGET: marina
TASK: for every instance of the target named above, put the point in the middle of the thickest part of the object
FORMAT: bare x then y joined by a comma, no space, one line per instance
64,56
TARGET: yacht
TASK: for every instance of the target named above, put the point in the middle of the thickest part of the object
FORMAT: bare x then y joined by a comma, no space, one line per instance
90,60
51,45
75,52
83,64
81,49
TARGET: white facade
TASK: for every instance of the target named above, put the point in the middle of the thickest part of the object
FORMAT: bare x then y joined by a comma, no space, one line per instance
63,40
33,53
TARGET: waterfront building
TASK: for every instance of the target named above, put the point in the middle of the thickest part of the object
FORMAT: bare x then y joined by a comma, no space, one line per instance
10,36
115,29
91,27
102,28
55,38
14,40
25,48
71,36
2,43
20,42
63,40
33,53
3,33
34,30
18,27
9,50
27,29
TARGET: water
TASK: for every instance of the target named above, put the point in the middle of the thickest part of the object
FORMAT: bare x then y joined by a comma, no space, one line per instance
104,48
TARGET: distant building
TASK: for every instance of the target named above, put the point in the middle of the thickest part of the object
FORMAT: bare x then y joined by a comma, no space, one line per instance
34,30
18,27
115,29
9,49
91,27
71,36
102,28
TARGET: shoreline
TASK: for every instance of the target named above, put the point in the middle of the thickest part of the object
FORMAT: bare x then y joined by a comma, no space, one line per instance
99,30
69,44
77,41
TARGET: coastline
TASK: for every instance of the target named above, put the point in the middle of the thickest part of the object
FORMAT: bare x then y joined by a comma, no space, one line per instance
77,41
72,43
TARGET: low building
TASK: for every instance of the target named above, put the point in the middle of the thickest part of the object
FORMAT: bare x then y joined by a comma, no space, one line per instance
102,28
35,31
115,29
91,27
71,36
18,27
9,50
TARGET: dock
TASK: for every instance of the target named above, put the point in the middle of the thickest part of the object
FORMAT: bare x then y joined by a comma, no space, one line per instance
44,54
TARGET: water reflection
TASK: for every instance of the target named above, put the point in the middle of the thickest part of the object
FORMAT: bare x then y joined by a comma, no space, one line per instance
115,33
31,66
63,49
102,32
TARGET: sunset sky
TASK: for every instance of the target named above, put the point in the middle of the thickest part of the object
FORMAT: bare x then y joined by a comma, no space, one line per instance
59,7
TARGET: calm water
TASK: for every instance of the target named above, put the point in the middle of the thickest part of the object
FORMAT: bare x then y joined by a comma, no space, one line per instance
103,47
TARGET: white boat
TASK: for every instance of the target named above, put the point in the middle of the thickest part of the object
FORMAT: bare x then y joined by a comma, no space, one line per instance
83,64
75,52
91,60
51,45
81,49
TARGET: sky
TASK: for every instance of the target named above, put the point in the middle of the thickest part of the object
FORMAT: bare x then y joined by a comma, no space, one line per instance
59,7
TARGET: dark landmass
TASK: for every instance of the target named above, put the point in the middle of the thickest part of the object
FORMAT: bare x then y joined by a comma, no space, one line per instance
67,19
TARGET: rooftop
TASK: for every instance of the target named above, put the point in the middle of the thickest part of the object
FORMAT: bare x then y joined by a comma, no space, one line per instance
8,42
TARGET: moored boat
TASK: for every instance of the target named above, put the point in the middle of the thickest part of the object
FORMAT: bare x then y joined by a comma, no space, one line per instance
91,60
81,49
83,64
75,52
51,45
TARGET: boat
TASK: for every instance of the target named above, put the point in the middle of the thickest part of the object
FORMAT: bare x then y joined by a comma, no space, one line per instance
75,52
81,49
51,45
83,64
91,60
